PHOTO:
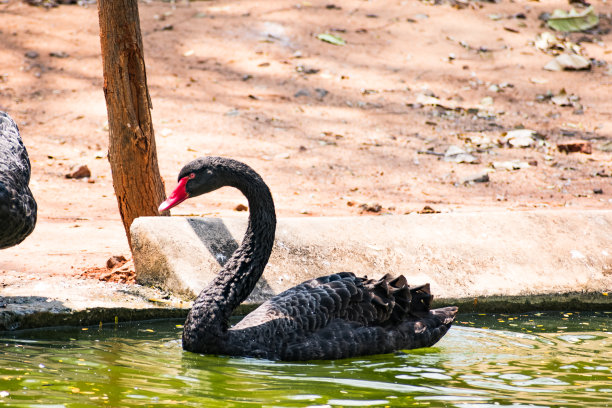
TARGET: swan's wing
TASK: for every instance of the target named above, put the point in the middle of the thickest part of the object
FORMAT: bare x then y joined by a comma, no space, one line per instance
386,301
326,310
313,304
343,339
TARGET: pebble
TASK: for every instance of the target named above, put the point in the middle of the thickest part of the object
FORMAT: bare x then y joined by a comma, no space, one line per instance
482,177
241,207
115,260
79,172
520,138
456,154
301,92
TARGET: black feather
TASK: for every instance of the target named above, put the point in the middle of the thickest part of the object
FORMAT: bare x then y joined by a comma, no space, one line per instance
17,205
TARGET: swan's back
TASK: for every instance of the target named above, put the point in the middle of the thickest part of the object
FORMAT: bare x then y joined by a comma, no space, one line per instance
339,316
17,205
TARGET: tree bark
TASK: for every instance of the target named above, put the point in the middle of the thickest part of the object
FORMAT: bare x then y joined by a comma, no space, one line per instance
131,153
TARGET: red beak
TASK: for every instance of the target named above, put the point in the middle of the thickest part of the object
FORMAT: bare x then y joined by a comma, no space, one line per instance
178,196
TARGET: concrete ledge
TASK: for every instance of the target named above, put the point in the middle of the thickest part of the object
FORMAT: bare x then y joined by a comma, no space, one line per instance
579,302
502,262
462,255
33,316
31,301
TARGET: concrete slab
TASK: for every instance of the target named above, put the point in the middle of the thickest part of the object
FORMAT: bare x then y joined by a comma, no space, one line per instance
35,300
462,255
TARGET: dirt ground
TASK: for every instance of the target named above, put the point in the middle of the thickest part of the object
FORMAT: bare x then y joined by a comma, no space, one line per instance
335,130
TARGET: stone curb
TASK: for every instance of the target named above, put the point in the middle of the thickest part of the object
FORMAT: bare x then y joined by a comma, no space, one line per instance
462,255
499,262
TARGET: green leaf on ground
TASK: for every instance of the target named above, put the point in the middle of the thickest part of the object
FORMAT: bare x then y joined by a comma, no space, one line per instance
332,39
561,20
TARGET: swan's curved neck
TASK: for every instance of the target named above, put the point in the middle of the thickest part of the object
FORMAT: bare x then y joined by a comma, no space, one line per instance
208,321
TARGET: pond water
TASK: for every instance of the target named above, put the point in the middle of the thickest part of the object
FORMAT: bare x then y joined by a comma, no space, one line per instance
530,360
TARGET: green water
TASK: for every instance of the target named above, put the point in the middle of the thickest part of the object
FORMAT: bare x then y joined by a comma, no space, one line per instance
535,360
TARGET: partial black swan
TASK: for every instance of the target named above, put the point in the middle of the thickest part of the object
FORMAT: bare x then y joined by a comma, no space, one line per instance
17,205
335,316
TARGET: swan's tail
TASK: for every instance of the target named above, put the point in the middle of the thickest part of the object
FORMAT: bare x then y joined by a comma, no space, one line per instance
395,301
342,339
411,322
402,319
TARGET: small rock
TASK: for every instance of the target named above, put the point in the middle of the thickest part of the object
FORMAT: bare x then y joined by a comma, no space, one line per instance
482,177
306,70
428,210
597,191
232,112
427,98
301,92
241,207
79,172
510,165
59,54
486,101
456,154
115,260
32,54
374,208
561,100
573,146
520,138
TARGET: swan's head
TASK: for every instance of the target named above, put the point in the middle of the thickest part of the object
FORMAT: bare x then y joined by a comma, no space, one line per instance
197,177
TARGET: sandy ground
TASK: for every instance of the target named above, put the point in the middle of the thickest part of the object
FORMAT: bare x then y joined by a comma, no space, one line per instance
334,130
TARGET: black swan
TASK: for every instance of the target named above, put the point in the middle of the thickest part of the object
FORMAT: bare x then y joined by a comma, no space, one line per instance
335,316
17,205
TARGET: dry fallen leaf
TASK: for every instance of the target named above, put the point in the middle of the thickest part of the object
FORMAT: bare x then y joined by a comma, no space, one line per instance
570,62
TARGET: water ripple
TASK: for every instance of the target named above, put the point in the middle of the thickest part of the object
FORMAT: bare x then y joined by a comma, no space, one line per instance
472,367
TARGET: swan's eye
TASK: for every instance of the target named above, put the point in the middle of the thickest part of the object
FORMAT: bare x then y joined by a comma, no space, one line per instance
192,175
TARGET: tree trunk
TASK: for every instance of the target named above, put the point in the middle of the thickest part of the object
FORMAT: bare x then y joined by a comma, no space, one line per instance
131,153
